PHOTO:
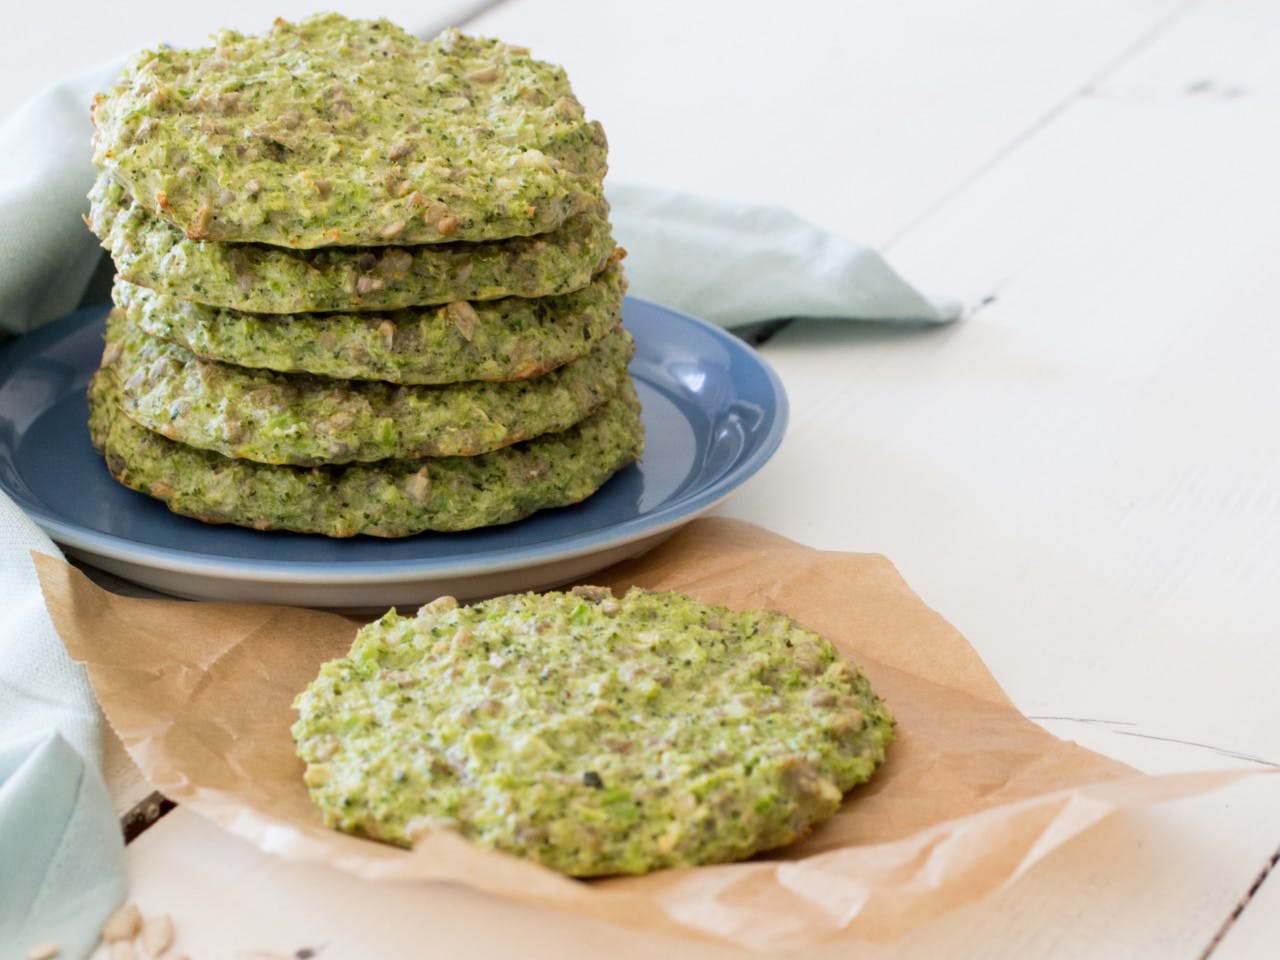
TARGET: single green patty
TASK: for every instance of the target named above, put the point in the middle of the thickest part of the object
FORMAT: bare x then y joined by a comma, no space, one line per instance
509,339
307,421
594,735
391,498
266,279
350,132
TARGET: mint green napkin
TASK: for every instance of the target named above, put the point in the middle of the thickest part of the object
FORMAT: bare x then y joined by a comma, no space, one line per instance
736,263
47,256
61,848
61,851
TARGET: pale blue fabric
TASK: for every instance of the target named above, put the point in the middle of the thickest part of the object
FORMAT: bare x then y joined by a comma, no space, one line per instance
61,852
47,256
735,263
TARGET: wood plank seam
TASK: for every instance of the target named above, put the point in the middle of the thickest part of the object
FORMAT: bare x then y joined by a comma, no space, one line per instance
144,815
1220,751
1141,43
1240,907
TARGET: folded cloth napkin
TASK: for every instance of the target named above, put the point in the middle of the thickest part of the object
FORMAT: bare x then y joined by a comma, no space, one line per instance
735,263
726,262
47,257
60,842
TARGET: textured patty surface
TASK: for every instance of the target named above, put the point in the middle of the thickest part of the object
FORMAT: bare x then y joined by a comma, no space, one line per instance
593,734
307,420
509,339
350,132
267,279
390,498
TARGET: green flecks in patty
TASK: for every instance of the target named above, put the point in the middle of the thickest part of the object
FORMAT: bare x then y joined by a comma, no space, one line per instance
391,498
307,421
509,339
266,279
593,734
350,132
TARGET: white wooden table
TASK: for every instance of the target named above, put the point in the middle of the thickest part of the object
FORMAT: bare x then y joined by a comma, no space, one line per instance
1084,475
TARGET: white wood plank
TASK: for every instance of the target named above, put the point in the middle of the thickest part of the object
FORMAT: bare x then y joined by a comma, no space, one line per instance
1102,529
1256,933
1082,476
1144,885
42,42
1221,49
1175,146
858,115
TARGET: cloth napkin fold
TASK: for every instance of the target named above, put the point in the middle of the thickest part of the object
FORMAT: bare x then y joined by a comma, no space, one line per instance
61,848
60,841
735,263
60,845
47,256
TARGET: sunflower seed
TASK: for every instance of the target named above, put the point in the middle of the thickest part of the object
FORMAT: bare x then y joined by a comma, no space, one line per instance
123,924
157,934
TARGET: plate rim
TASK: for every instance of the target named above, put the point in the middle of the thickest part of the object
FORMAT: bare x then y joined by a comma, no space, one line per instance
402,571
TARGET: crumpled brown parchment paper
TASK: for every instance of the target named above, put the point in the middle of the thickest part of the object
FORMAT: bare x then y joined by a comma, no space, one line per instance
972,793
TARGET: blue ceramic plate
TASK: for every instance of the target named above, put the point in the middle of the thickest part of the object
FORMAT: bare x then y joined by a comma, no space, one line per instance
714,413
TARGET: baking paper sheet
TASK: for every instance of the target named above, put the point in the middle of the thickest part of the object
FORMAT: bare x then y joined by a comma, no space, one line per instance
972,793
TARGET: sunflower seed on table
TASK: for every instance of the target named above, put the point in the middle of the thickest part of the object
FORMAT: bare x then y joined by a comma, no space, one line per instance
124,924
157,934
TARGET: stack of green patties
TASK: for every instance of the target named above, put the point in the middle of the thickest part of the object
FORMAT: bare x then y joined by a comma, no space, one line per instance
365,283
